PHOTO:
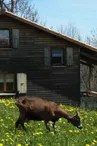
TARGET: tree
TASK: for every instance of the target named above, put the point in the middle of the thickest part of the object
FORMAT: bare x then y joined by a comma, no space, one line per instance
92,39
88,40
70,30
23,8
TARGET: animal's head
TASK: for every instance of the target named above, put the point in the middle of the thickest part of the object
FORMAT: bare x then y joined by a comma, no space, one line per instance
75,120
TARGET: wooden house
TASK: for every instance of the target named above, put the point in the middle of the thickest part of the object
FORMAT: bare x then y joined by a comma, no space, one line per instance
39,61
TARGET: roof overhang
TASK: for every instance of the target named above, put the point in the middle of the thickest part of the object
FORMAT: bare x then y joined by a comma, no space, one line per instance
87,53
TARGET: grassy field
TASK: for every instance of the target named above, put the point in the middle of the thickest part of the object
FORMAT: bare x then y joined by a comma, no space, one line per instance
67,135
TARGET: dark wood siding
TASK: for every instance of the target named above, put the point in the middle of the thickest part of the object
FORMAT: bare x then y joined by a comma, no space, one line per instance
54,83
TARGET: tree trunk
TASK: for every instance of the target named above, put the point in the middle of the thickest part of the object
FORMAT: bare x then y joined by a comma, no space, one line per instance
12,6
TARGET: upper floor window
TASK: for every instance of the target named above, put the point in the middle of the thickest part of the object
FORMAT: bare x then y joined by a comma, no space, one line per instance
57,56
4,38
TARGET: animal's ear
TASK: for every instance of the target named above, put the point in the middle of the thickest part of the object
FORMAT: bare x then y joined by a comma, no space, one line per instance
17,94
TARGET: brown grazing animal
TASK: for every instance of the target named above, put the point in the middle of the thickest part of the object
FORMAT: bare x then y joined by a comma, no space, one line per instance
39,109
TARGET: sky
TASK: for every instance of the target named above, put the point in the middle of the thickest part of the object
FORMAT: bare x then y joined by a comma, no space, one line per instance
81,13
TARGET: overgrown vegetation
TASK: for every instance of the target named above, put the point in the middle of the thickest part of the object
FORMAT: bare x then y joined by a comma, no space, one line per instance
67,135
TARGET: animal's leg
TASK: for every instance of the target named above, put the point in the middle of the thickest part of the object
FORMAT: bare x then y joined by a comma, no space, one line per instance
47,127
54,127
22,124
20,121
17,123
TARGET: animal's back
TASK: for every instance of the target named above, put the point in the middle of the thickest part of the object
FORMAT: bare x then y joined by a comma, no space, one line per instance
40,108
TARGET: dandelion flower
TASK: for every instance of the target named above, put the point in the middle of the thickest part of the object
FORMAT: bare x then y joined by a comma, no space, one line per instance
40,144
70,131
52,133
19,145
87,145
93,143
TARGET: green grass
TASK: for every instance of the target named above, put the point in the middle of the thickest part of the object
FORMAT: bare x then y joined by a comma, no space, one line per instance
67,134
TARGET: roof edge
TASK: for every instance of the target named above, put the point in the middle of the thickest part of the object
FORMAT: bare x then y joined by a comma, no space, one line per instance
48,30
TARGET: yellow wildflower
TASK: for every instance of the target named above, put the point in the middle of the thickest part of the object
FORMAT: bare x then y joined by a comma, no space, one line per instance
1,144
93,143
40,144
87,145
52,133
70,131
19,145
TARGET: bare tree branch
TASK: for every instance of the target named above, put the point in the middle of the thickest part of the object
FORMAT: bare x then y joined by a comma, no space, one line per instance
70,30
23,8
92,39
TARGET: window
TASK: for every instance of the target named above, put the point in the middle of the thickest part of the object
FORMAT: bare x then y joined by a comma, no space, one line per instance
7,82
4,38
57,56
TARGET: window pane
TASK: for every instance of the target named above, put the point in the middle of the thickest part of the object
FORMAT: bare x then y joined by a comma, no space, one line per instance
1,78
56,60
9,86
1,86
9,78
4,38
56,52
1,82
9,82
57,56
